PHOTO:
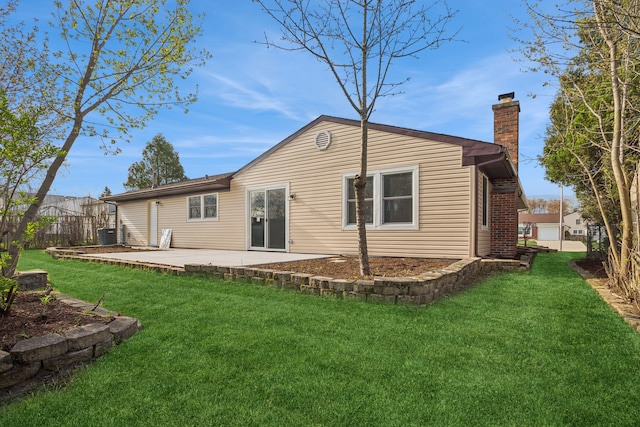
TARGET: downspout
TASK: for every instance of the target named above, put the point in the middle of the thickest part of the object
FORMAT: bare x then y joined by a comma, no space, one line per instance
473,248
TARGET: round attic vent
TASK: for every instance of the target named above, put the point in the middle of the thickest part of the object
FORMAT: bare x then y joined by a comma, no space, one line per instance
323,140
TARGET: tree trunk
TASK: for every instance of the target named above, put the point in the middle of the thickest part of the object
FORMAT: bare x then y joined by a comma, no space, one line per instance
361,181
617,159
17,239
360,184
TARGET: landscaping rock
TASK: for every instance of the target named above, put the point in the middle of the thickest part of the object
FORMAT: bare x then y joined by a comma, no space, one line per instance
32,280
124,327
18,374
101,348
5,361
87,336
67,359
39,348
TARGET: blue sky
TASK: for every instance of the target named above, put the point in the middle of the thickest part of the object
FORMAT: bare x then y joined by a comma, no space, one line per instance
251,97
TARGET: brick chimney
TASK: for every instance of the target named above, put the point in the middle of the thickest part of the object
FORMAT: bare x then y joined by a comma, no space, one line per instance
504,193
506,123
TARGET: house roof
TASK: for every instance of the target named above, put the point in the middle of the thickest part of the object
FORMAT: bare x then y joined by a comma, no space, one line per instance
491,159
220,182
545,218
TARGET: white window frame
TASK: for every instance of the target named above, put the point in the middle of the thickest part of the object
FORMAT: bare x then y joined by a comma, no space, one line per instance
347,200
378,200
202,210
247,214
484,219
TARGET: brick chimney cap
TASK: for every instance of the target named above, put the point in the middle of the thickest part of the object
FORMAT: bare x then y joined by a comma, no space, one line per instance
506,97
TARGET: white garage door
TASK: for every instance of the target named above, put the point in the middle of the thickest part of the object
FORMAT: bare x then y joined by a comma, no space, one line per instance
548,233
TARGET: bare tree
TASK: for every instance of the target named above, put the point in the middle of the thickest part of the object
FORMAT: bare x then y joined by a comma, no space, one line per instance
537,205
527,231
553,206
359,40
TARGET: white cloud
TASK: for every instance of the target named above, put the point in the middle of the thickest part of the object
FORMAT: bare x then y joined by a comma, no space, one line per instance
239,94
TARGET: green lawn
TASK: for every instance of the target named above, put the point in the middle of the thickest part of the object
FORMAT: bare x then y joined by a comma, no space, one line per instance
537,348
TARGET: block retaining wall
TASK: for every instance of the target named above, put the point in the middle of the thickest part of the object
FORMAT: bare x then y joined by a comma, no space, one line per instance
418,290
46,356
79,254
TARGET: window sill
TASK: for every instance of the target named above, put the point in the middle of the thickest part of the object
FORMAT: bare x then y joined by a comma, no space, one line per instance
201,219
386,227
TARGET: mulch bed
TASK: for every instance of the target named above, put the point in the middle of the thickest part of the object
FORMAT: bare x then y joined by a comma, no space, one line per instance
29,317
347,267
593,266
106,249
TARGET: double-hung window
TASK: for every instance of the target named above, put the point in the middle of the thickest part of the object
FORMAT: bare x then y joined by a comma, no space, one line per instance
202,207
368,201
391,199
397,198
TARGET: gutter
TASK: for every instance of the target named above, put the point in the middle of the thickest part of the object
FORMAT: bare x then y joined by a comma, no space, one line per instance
512,169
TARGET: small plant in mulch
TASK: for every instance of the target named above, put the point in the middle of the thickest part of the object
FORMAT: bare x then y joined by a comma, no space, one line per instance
8,290
36,314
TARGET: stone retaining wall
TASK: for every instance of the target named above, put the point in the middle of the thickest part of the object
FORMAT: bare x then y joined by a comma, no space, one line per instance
49,355
31,280
79,254
418,290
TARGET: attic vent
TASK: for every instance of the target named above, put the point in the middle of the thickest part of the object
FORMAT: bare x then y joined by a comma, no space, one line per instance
323,140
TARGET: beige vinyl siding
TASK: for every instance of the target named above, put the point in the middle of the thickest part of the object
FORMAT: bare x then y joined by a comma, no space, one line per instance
316,178
134,216
484,236
315,222
227,232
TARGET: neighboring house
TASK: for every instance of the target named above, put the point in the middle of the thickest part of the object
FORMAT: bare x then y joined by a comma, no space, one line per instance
547,226
543,226
575,225
429,195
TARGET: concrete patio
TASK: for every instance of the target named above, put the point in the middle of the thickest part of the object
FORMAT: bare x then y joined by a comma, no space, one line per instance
222,258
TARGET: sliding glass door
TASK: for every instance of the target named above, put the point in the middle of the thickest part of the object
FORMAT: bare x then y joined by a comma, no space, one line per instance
268,219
